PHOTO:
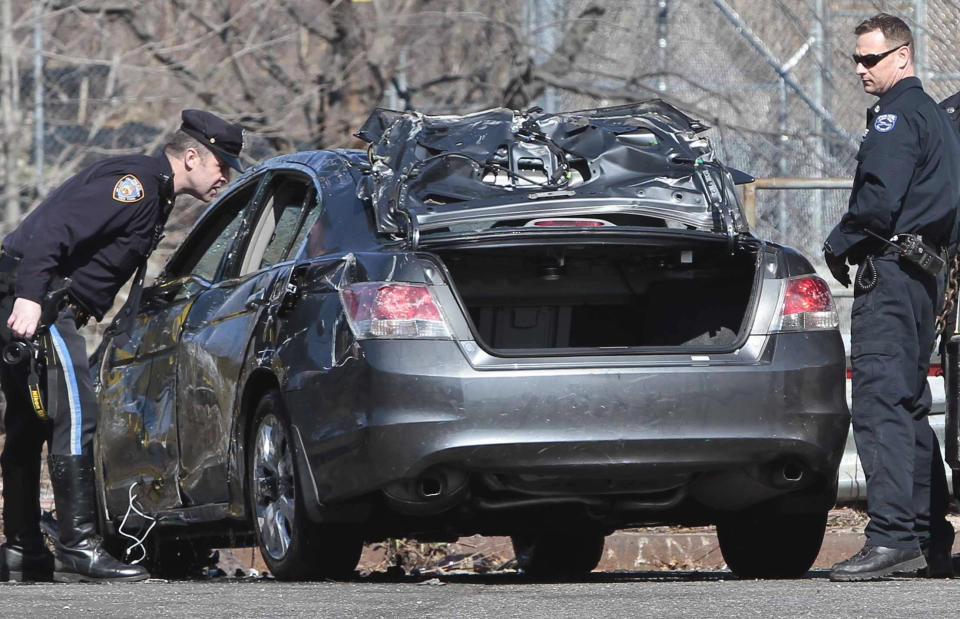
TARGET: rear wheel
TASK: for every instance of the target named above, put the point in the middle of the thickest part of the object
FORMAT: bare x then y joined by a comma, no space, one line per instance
763,544
558,554
293,547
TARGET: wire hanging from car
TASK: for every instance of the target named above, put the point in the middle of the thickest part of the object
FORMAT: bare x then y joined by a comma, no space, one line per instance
137,541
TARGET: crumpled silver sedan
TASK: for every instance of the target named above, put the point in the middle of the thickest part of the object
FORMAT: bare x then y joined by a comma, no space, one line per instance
547,326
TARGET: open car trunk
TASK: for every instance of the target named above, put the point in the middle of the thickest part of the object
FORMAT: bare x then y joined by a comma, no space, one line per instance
692,295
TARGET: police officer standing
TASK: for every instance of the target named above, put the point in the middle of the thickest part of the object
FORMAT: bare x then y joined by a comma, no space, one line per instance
906,193
96,229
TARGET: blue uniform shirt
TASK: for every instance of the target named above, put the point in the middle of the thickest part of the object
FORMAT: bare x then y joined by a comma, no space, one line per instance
96,228
908,174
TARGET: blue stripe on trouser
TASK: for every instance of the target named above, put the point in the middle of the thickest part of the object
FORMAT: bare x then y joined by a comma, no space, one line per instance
73,397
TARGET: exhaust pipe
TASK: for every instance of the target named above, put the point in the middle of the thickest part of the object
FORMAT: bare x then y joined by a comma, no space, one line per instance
434,491
792,471
430,486
786,473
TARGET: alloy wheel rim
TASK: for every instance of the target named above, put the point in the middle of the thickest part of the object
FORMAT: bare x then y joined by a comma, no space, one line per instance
274,497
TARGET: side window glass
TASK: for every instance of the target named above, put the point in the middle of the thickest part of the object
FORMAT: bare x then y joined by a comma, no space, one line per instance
309,221
288,201
206,267
202,256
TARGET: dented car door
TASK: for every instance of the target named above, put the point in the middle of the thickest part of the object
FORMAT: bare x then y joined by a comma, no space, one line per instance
212,351
220,325
137,430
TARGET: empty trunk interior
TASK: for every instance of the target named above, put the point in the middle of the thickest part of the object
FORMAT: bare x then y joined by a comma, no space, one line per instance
536,298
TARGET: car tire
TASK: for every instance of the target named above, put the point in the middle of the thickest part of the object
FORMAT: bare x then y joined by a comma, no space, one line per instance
558,554
292,546
765,544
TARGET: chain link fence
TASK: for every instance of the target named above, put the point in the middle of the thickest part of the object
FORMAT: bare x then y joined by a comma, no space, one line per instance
777,82
774,78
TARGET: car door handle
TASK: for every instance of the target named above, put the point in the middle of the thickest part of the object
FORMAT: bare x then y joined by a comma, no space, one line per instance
256,299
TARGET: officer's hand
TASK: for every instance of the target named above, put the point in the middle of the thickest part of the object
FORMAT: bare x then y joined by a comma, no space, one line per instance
24,318
838,266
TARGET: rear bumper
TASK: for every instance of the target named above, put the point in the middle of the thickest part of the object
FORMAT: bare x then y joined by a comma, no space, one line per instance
405,407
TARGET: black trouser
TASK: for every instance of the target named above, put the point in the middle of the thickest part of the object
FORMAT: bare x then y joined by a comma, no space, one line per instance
70,431
892,335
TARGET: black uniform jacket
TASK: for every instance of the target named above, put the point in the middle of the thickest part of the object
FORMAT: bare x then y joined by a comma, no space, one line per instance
908,174
96,228
952,105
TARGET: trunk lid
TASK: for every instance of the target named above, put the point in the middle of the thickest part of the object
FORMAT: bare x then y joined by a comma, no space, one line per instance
644,165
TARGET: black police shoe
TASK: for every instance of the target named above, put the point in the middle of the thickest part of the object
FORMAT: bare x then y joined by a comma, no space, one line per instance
89,562
20,564
874,562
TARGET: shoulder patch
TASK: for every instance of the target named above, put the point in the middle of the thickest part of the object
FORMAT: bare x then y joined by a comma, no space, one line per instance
128,189
885,122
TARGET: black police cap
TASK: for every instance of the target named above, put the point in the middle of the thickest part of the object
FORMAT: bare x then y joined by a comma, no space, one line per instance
223,138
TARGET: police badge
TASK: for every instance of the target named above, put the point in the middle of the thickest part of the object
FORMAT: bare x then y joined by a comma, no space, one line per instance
885,122
128,189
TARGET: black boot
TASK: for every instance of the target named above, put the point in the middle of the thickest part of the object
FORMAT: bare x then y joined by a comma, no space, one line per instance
23,556
938,550
25,560
873,562
80,555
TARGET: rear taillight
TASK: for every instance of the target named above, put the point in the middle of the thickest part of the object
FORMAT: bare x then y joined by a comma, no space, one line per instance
806,304
390,310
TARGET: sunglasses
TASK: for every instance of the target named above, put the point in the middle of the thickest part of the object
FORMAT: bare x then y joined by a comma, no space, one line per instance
870,60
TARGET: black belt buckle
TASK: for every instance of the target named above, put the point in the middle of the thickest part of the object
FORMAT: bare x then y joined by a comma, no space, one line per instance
914,251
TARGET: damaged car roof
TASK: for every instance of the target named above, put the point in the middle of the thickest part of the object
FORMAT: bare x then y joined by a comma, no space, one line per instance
648,157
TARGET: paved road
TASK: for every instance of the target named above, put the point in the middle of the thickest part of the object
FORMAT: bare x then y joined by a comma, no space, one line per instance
649,594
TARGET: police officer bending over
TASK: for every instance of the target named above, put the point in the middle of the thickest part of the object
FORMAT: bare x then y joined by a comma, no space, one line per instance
902,217
96,229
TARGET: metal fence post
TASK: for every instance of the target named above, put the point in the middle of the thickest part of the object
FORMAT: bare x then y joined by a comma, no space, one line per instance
38,86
